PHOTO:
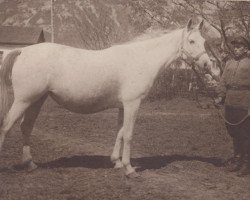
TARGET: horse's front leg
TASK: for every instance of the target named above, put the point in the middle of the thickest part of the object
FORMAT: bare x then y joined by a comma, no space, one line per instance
125,134
130,111
115,157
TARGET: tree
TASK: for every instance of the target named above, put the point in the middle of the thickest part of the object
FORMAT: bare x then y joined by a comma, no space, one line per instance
223,20
227,17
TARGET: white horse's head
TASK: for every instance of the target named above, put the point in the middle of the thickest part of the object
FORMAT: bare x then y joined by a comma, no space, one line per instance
193,46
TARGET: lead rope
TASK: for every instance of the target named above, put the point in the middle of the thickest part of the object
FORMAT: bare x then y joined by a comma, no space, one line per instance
234,124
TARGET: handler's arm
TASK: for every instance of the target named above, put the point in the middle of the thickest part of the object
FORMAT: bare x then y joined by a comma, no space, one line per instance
222,86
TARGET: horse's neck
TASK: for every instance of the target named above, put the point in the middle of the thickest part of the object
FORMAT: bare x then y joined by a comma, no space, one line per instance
162,51
169,46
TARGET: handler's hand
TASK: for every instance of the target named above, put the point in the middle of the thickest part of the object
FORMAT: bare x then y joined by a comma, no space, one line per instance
218,101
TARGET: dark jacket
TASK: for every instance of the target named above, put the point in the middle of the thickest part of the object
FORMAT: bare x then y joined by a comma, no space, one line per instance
234,85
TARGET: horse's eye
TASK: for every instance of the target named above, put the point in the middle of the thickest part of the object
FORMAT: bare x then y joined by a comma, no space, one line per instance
191,41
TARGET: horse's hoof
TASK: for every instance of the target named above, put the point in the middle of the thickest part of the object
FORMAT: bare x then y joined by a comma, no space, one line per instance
30,166
118,165
133,175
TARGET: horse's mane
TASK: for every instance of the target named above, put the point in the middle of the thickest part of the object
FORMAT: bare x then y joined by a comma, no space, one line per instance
149,34
153,33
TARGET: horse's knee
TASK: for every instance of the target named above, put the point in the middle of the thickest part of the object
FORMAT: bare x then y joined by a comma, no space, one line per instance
26,129
127,137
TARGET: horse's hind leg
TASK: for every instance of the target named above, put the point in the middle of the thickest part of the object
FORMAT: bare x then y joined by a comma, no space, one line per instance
16,111
115,157
27,125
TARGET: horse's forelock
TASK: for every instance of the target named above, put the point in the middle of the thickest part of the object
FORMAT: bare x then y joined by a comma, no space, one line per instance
195,31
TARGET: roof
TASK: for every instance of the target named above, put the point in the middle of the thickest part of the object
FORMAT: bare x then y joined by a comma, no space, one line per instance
21,35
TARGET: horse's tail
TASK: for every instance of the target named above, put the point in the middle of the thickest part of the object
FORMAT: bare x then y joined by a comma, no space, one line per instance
5,81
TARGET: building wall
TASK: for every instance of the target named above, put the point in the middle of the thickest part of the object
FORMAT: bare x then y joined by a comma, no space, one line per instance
10,47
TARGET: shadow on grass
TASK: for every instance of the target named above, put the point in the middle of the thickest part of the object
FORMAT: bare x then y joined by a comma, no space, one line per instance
103,162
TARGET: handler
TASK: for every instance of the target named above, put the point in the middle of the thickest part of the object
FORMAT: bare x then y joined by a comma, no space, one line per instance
234,91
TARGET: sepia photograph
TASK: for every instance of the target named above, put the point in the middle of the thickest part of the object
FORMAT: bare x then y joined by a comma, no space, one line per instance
124,100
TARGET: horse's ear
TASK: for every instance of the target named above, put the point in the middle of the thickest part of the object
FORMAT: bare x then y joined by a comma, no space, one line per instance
189,25
201,25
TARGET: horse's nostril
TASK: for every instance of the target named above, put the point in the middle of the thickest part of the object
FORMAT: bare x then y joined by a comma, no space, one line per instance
205,64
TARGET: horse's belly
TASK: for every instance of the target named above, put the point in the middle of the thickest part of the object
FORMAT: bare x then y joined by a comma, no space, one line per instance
85,102
87,107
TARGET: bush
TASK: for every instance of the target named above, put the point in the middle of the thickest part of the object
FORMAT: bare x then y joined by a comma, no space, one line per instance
174,82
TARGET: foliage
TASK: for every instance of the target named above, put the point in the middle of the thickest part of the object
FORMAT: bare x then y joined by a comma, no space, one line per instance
173,82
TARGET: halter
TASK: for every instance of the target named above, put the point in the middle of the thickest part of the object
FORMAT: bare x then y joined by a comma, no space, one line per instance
189,56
